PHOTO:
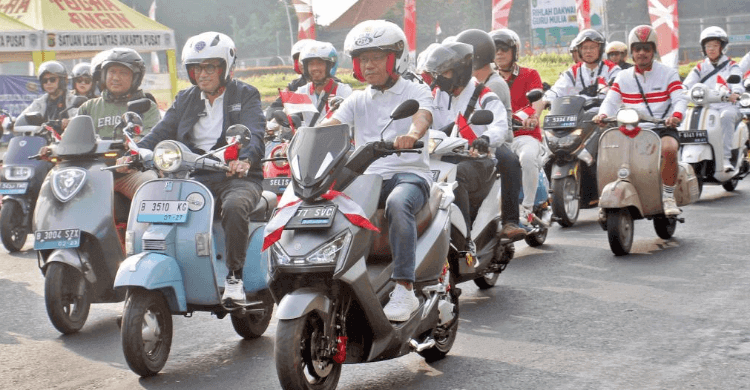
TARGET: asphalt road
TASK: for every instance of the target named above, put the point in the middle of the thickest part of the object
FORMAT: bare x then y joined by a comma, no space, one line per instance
567,315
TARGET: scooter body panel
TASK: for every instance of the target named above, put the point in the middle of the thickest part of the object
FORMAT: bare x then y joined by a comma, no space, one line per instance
564,169
154,271
620,194
299,303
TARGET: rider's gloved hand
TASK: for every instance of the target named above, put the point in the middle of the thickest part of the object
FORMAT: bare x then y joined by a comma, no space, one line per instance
672,122
481,144
598,119
124,160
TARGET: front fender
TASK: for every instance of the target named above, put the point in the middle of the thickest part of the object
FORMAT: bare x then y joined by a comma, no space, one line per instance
71,257
620,194
154,271
564,170
300,302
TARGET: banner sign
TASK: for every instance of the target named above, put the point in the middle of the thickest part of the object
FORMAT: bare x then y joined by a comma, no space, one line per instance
17,93
555,22
19,41
553,13
93,41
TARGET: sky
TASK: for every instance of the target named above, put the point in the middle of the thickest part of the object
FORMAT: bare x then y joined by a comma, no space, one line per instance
326,11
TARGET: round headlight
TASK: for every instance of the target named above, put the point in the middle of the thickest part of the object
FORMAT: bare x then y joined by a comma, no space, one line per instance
167,156
697,94
745,100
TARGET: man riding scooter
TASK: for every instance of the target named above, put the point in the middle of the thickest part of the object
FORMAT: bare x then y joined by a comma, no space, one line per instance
713,71
199,118
319,63
653,89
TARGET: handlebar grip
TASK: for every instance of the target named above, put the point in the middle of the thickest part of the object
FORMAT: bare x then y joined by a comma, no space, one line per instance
418,145
35,157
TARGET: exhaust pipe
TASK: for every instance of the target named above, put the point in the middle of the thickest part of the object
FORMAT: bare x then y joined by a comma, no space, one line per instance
417,347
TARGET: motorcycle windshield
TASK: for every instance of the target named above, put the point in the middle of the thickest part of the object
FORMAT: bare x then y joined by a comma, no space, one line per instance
567,105
79,137
315,151
20,148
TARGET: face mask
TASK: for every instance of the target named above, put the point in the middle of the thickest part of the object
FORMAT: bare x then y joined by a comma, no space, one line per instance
445,84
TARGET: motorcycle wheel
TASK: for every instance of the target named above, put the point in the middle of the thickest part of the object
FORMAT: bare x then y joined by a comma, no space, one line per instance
565,200
66,296
445,335
146,333
298,365
12,231
252,326
729,186
503,255
620,231
665,227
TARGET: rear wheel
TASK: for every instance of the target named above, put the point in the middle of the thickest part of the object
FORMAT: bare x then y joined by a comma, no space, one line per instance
12,231
565,200
66,296
665,227
620,231
146,332
298,363
731,184
252,326
445,334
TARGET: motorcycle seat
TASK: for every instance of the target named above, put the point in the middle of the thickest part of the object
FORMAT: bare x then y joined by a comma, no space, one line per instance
380,247
264,207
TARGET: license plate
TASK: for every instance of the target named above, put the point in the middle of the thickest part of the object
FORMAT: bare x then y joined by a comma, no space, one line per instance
162,211
435,175
694,137
560,120
277,185
13,188
312,217
56,239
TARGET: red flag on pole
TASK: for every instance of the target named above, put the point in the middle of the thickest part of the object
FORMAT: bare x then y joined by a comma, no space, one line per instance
410,28
500,13
438,31
583,14
305,19
663,15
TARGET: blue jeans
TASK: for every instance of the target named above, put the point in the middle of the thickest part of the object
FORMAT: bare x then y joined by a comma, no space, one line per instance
404,195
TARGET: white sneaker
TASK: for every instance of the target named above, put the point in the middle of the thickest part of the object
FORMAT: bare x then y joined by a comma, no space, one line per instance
402,304
670,207
524,213
234,291
728,167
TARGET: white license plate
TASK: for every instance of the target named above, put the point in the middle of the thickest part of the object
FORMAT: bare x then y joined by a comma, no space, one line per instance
162,211
13,188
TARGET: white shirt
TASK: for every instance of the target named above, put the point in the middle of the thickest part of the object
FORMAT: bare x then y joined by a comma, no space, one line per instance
579,76
207,130
370,110
343,90
705,67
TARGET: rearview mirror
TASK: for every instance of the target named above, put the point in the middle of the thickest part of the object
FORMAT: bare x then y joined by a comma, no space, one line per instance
734,79
534,95
405,109
78,101
481,117
139,106
281,118
746,84
238,134
30,119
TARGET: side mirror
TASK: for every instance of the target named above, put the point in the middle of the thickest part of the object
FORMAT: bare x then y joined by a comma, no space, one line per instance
30,119
481,117
734,79
405,109
534,95
238,134
281,118
78,101
139,106
131,117
746,84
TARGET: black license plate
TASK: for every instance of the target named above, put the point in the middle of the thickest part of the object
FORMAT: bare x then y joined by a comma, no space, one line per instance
13,188
313,217
694,137
57,239
277,185
560,121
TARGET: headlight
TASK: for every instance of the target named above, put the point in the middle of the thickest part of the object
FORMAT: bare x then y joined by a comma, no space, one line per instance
433,144
623,173
278,256
67,182
167,156
328,253
698,93
280,151
17,173
745,100
628,116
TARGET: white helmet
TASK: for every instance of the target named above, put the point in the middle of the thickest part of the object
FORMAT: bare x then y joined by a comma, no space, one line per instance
714,32
378,35
210,45
616,46
296,50
643,34
320,50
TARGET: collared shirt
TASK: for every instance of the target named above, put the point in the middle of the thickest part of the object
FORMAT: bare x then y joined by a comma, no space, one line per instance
208,128
579,76
521,81
333,87
369,111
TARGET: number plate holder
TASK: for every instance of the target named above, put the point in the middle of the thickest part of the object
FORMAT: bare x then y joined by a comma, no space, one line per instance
694,137
277,185
13,188
560,121
312,217
57,239
162,211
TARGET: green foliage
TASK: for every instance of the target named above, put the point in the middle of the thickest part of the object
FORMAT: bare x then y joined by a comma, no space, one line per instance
549,66
268,85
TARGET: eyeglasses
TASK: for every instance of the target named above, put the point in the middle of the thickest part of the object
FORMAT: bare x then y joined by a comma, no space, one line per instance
364,59
49,80
642,47
208,68
83,80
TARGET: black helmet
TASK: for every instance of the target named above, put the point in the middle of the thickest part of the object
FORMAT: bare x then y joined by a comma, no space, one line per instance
96,68
56,68
484,46
593,36
455,56
128,58
506,37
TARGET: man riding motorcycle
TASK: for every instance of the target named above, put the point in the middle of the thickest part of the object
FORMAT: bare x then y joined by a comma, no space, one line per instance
617,52
457,94
380,57
589,77
714,71
527,141
653,89
319,63
199,118
53,78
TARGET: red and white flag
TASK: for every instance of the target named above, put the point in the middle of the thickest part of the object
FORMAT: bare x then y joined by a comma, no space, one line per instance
296,102
351,210
438,31
410,28
154,57
583,14
500,13
305,19
464,129
523,114
663,15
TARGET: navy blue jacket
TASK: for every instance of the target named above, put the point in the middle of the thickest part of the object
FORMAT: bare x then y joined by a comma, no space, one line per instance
241,106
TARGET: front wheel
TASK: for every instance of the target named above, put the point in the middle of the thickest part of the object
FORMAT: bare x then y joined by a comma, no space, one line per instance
146,333
565,200
12,231
620,231
252,326
665,227
297,354
66,296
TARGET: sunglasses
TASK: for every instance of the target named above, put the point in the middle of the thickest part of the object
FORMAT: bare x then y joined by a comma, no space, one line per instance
49,80
642,47
83,81
503,48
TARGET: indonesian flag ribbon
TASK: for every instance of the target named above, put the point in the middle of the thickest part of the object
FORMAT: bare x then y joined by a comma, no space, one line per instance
296,102
351,210
464,129
722,85
523,114
630,132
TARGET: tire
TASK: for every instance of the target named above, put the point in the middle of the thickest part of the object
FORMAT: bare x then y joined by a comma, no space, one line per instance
295,355
537,239
252,326
665,227
729,186
445,335
12,231
503,255
565,200
66,295
620,231
146,314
